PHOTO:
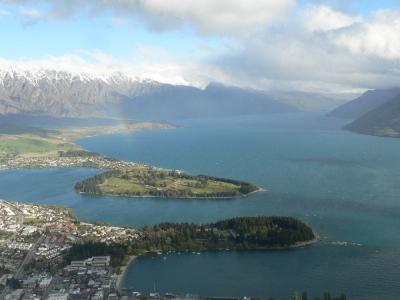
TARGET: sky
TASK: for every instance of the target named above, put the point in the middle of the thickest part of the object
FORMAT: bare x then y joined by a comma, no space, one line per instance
331,46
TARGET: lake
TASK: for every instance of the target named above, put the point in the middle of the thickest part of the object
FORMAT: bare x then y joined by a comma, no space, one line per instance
345,185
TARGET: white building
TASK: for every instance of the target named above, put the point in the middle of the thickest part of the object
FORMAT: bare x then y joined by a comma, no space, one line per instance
58,296
45,282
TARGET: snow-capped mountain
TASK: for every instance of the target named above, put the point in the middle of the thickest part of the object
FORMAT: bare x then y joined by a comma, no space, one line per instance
65,93
59,92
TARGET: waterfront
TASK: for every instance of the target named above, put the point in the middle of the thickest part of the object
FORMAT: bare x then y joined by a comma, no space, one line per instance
344,185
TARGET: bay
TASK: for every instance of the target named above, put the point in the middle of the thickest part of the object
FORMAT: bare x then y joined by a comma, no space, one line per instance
344,185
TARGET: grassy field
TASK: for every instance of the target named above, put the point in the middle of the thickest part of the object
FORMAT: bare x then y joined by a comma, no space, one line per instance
194,186
4,235
32,221
34,141
389,132
12,145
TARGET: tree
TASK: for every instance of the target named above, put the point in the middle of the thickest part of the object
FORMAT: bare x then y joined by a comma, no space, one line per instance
13,283
327,296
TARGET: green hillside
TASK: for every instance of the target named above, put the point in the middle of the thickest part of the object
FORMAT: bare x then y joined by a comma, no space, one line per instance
382,121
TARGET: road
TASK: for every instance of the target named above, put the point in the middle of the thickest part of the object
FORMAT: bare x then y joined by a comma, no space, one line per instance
28,257
20,215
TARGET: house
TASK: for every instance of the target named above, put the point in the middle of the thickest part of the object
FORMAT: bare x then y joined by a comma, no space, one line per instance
100,261
45,282
112,297
76,265
30,283
98,296
58,296
15,295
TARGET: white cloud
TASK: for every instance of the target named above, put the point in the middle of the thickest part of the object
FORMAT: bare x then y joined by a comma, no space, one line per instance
222,16
379,36
323,49
346,58
206,16
30,15
96,64
323,18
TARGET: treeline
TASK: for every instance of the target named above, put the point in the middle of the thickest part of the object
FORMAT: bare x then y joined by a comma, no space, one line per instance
266,231
326,296
239,233
243,233
91,185
86,250
188,193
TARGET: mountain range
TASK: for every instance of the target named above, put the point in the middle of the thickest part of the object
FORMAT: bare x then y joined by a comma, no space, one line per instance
69,94
62,93
59,92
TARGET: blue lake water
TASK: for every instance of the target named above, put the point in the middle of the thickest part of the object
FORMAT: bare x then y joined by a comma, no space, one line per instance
345,185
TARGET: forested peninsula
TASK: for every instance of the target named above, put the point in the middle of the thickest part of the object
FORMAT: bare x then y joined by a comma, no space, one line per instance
144,180
241,233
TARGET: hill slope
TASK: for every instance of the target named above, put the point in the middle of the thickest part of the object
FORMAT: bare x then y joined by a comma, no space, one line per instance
365,103
382,121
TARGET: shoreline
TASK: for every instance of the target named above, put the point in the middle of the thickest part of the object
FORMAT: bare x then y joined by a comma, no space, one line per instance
179,197
123,269
162,126
298,244
74,134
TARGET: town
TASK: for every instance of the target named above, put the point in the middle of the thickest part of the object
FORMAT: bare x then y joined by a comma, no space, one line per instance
33,240
78,160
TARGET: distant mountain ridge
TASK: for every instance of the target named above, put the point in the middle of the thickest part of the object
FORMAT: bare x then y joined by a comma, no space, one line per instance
69,94
177,102
381,121
368,101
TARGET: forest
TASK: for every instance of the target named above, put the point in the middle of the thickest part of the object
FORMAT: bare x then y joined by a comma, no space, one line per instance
244,233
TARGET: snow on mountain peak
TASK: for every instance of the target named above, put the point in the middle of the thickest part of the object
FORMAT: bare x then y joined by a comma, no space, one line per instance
73,69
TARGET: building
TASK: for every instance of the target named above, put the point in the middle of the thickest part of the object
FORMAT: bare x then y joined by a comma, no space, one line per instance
15,295
30,283
76,265
58,296
112,297
98,296
45,282
100,261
